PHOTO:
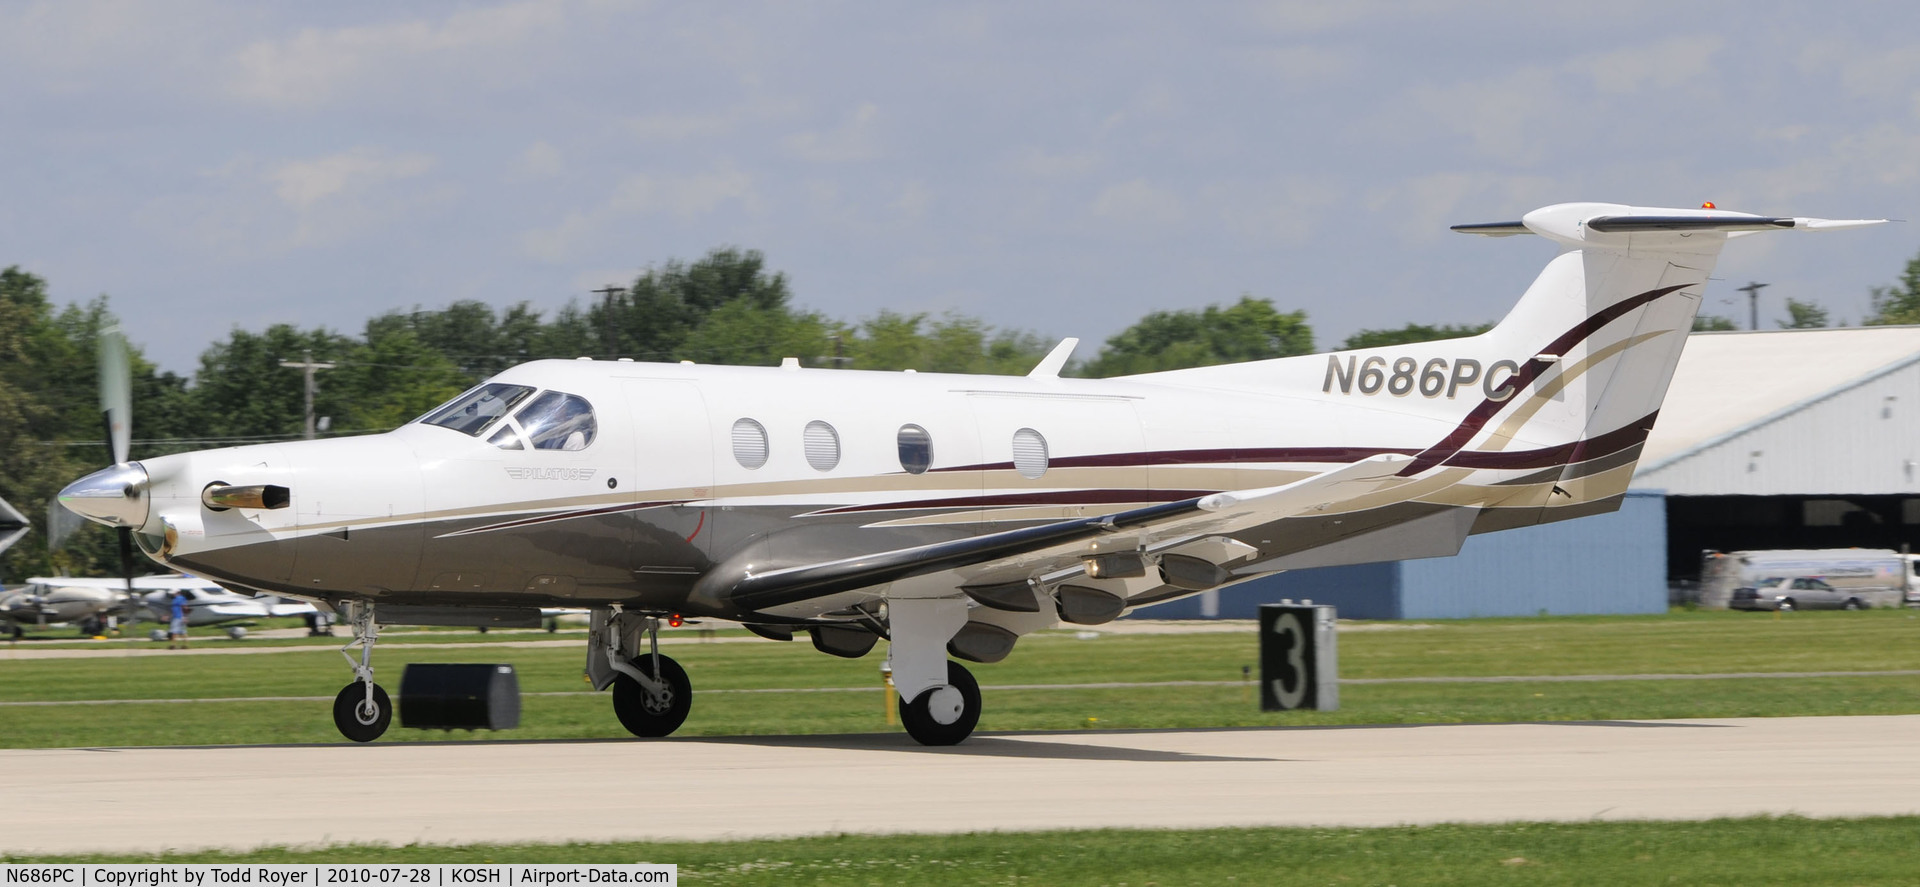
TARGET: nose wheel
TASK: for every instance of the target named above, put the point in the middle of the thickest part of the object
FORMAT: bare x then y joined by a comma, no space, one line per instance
362,710
945,714
360,715
652,694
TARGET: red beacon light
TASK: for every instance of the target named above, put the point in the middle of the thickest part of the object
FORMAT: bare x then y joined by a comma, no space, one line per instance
1708,205
676,620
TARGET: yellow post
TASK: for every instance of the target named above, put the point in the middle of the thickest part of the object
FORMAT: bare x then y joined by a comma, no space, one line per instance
893,715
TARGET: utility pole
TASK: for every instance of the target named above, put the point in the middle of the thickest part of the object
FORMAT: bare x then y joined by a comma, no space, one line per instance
309,366
839,358
1753,302
606,316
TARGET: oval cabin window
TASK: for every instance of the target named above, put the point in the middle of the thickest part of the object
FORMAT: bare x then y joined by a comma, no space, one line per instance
749,443
916,449
823,445
1029,453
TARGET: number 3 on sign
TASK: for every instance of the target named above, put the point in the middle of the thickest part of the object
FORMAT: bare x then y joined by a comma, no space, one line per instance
1294,674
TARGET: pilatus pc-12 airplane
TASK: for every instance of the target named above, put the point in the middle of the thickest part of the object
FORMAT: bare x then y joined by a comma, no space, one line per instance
948,514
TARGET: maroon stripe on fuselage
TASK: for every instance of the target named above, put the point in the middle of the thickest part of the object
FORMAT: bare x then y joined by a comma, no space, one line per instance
568,515
1009,500
1598,447
1221,455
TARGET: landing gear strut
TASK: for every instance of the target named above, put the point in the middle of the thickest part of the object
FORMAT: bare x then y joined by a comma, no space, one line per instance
362,711
651,693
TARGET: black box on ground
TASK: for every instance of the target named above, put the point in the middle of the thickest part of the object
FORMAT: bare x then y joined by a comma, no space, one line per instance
459,696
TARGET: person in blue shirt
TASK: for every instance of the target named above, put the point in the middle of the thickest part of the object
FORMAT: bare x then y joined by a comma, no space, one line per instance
177,625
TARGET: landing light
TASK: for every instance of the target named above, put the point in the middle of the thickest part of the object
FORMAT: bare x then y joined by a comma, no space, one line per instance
220,497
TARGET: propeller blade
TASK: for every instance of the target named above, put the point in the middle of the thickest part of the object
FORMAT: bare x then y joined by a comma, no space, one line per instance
61,522
116,392
126,572
13,525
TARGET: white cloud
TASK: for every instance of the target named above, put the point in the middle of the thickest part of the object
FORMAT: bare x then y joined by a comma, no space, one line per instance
1138,202
1864,70
683,197
1284,210
855,139
1635,68
542,159
310,67
1303,66
914,200
1040,163
302,184
1420,208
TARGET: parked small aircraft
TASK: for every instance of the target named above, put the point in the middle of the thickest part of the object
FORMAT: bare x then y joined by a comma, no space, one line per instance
209,604
86,602
946,513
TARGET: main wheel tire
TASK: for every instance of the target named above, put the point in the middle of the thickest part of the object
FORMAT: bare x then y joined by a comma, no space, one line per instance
642,714
918,715
1786,606
351,716
1853,603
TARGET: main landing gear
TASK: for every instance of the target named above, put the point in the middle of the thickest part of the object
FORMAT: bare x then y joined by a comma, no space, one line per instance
362,711
939,699
651,693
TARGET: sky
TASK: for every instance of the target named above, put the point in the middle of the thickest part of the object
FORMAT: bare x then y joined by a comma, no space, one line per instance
1061,168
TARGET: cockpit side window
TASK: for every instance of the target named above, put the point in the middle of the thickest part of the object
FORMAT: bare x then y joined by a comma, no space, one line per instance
557,421
507,438
472,412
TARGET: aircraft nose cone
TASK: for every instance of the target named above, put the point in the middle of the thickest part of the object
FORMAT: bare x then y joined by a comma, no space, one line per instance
115,496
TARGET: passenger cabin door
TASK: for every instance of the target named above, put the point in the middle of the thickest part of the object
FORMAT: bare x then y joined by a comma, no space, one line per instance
673,453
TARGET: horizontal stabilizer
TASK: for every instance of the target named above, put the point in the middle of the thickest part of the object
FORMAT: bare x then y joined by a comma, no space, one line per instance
1493,229
1635,224
1675,221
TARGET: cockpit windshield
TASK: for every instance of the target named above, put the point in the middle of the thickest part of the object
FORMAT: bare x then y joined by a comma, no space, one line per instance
472,412
557,421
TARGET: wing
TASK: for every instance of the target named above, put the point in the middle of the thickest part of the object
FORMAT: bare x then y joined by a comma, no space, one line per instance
1109,544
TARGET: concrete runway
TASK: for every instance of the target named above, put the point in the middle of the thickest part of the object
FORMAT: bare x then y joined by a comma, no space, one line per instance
64,800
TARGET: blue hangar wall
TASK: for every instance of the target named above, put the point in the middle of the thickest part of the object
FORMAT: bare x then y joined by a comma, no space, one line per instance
1609,563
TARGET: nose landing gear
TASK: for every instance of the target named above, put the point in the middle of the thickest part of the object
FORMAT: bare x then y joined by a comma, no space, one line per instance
652,694
362,711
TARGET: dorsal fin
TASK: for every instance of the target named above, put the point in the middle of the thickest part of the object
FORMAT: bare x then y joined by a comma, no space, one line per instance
1056,359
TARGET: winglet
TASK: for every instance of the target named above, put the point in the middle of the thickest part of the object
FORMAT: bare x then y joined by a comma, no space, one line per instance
1055,360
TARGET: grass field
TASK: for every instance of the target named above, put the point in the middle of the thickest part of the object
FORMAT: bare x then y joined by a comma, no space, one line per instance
1677,643
1723,852
762,688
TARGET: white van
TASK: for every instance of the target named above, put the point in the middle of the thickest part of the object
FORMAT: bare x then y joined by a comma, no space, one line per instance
1877,577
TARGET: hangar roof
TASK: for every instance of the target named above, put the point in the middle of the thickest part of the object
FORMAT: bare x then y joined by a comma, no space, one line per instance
1731,382
1728,381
